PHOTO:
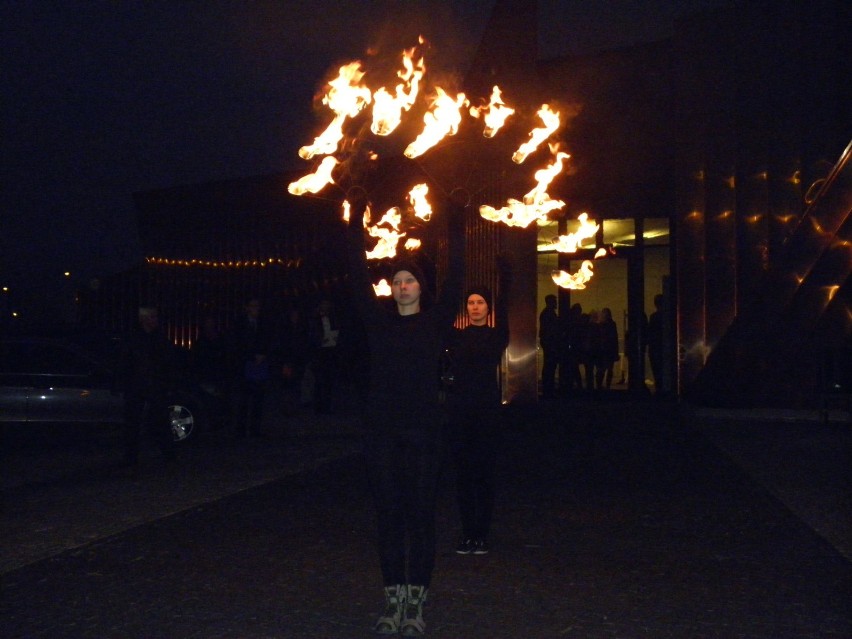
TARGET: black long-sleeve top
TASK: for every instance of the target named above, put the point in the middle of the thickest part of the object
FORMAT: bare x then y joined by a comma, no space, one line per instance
405,350
475,353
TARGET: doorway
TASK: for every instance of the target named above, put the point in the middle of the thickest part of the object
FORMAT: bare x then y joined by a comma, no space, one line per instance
625,281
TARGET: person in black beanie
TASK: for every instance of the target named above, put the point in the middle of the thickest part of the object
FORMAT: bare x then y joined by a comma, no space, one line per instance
403,416
474,409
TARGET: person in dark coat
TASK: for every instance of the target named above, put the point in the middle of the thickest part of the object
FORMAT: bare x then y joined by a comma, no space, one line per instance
149,364
403,416
474,409
549,338
569,372
249,345
656,331
325,337
608,354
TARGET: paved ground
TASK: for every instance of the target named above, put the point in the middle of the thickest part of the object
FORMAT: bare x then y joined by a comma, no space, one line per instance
615,519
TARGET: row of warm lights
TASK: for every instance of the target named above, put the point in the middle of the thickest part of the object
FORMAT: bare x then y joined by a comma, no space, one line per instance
273,261
751,219
795,178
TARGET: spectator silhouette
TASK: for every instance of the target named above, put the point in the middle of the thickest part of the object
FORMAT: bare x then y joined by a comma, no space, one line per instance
609,352
149,365
209,354
325,336
656,329
569,371
549,339
294,354
249,345
635,346
592,348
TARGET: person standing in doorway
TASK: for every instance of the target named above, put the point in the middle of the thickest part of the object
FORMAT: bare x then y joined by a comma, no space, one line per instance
609,352
569,369
549,339
655,342
474,409
635,347
403,416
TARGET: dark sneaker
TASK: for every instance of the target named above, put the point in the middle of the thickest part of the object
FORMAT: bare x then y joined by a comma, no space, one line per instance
466,547
480,547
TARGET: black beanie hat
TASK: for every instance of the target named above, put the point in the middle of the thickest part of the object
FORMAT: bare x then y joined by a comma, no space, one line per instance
482,291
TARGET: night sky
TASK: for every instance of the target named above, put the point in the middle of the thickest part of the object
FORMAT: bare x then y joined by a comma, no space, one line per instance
104,99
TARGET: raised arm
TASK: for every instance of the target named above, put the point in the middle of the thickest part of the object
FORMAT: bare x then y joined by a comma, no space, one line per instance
451,288
504,285
363,295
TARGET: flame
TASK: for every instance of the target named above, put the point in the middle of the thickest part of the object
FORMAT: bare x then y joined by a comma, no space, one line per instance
571,242
417,197
316,181
387,107
601,252
543,178
496,112
442,119
386,246
536,204
539,135
388,237
325,143
382,289
518,214
392,218
387,231
346,98
578,280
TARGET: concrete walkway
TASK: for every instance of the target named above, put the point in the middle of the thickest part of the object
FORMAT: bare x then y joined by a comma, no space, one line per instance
614,519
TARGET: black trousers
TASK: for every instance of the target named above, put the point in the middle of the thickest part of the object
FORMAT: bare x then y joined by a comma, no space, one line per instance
403,471
474,439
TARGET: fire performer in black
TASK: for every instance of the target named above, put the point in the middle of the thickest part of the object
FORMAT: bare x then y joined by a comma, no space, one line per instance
474,409
403,417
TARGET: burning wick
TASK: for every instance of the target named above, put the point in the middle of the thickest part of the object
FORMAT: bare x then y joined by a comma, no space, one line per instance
317,181
496,112
382,289
578,280
539,135
442,119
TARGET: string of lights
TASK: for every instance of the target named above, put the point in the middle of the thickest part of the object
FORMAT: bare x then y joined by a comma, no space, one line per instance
225,264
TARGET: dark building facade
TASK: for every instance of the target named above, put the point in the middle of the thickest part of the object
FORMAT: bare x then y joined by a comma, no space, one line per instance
719,132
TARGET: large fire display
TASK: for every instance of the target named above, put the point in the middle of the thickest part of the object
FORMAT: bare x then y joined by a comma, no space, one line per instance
358,111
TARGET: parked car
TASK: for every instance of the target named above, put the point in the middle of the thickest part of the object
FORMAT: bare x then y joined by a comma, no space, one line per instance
77,379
